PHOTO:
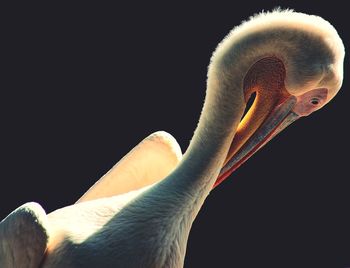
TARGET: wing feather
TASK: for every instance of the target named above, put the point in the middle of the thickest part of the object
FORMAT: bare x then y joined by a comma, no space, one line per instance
147,163
24,237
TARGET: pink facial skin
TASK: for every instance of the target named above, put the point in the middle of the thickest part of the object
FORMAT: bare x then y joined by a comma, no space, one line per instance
310,101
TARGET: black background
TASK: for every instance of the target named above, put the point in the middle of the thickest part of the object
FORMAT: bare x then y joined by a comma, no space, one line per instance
81,85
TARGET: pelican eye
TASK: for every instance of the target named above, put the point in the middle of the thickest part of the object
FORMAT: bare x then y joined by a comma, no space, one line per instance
314,101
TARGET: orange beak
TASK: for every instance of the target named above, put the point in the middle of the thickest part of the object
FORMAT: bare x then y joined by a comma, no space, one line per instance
270,113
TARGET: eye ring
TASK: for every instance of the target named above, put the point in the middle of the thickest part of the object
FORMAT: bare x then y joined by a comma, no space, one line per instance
314,101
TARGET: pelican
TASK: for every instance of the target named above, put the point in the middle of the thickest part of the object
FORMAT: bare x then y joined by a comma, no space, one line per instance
140,213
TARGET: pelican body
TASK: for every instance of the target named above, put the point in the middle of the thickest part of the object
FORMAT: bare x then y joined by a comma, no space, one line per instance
140,213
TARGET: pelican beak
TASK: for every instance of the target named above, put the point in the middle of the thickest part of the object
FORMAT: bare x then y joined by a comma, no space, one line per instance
266,118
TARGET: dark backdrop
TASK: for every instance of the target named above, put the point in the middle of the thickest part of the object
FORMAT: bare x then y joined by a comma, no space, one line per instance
81,85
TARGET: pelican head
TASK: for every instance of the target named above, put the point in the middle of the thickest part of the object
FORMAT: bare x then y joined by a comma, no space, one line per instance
293,62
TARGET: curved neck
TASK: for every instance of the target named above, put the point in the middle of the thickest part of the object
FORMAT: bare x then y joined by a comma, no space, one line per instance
212,138
222,111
